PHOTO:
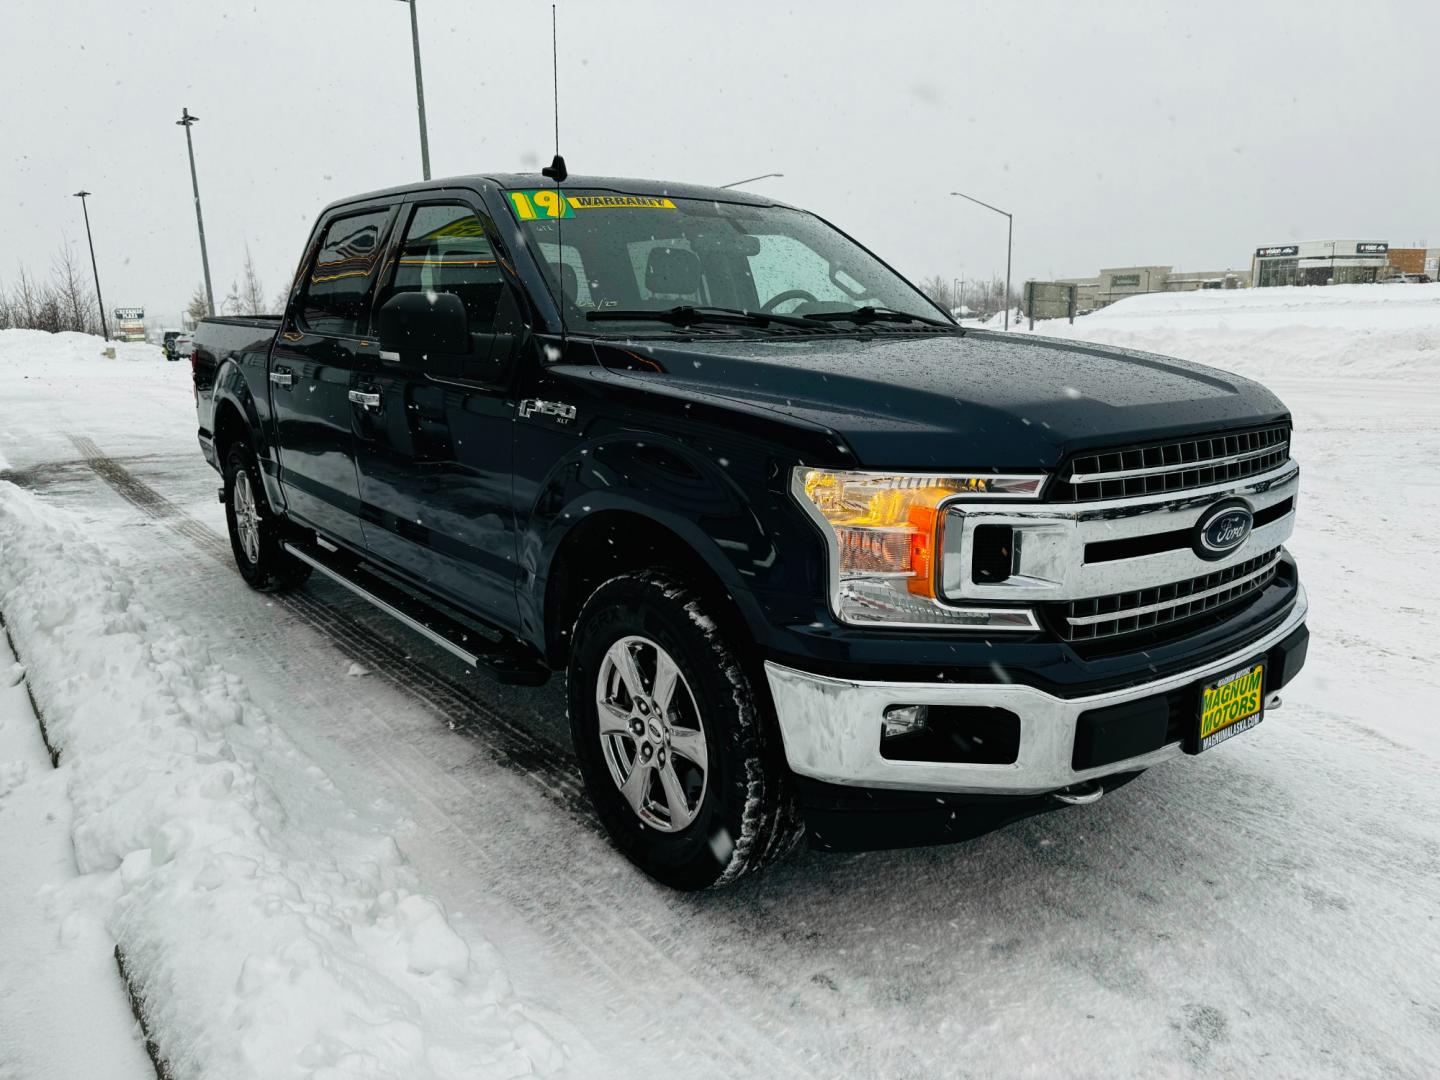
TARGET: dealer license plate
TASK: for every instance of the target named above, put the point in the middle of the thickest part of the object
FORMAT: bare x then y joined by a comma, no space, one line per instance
1230,705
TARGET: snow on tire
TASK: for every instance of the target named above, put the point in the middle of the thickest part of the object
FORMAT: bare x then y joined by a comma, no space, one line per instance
683,768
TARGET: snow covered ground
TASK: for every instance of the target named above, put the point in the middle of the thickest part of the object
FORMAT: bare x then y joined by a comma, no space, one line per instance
327,849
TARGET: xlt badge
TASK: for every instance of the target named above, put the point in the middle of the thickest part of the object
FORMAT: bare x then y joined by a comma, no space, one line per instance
559,410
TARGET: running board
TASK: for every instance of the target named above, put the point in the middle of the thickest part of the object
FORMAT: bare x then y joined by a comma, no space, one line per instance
506,663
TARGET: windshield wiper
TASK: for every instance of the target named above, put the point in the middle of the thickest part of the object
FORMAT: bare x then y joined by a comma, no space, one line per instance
688,314
874,314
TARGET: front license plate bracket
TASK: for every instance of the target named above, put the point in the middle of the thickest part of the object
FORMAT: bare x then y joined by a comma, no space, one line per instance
1227,706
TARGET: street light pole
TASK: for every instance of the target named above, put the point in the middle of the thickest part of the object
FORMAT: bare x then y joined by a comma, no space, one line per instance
1009,245
185,121
104,330
419,91
752,179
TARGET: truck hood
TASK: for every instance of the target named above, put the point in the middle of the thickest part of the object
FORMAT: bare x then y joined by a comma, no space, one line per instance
947,401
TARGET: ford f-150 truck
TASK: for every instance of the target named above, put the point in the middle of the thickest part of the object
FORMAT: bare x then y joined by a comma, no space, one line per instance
813,558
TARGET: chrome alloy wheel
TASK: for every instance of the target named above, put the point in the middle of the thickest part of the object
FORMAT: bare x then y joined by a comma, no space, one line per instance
651,733
247,518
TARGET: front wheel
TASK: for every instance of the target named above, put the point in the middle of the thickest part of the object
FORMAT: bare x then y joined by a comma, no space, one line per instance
682,766
255,534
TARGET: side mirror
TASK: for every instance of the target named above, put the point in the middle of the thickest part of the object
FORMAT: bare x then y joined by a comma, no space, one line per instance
427,330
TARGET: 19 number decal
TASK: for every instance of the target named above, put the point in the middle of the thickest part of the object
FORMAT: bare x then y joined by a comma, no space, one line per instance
541,203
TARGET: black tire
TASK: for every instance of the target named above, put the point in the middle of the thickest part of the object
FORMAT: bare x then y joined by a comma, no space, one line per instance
745,817
267,567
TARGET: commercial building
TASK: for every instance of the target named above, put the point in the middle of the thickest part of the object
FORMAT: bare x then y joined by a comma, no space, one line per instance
1116,283
1307,262
1191,280
1321,262
1413,263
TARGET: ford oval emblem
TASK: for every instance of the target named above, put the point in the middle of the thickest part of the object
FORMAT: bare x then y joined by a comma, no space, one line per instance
1222,529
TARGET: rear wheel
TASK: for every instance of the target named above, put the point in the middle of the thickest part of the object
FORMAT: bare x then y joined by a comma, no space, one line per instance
682,766
255,534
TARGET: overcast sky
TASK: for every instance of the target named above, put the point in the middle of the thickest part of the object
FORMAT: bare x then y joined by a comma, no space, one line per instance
1117,133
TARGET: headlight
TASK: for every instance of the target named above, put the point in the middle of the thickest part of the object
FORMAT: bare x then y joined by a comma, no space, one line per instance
884,529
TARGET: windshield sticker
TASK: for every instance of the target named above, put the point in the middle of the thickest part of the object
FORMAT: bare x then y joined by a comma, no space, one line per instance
620,202
542,204
546,204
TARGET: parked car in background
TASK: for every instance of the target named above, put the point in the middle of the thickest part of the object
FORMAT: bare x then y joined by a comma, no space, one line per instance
167,343
183,347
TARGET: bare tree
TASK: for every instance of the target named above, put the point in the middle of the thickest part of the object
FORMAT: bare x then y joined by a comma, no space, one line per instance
26,302
49,314
63,301
73,293
232,304
940,290
252,293
198,307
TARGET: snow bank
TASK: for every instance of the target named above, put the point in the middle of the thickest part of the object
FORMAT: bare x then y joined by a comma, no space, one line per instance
271,930
1384,307
27,344
1357,331
63,1013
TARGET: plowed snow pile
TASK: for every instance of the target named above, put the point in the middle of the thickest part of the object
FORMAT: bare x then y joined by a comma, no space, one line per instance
1364,331
267,929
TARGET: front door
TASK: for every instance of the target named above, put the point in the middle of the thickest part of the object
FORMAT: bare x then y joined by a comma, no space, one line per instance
313,370
434,452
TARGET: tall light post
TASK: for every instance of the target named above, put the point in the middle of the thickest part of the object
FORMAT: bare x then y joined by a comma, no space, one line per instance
104,330
185,121
752,179
419,91
1009,238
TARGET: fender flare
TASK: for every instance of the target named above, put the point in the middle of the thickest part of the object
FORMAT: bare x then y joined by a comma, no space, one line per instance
655,478
232,390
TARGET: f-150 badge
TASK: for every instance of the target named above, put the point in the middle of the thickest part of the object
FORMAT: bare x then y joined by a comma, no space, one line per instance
561,412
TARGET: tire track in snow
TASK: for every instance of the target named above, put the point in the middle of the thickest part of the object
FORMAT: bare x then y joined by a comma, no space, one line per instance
527,752
613,941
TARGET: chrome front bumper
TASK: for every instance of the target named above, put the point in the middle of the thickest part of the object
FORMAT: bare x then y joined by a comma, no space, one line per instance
831,727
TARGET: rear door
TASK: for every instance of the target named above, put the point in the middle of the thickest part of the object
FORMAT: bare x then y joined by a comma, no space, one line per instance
313,369
434,453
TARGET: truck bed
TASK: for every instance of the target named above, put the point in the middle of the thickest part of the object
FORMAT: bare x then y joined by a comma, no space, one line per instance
243,338
263,322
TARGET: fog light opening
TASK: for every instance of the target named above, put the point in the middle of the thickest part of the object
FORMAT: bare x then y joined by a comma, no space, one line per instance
994,554
905,720
954,734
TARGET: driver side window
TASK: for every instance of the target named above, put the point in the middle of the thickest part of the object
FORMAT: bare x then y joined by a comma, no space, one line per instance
784,264
446,251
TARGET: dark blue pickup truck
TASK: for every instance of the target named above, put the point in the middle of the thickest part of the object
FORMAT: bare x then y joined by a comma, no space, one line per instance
815,559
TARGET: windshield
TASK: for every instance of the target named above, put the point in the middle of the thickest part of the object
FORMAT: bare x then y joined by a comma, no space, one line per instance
631,254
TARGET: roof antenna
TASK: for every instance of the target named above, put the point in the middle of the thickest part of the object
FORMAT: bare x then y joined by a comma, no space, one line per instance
557,170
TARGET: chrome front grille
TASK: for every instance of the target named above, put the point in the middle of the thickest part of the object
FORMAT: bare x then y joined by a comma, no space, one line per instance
1179,465
1100,617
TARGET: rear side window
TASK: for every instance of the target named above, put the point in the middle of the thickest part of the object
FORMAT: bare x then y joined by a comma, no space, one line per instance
334,300
445,250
